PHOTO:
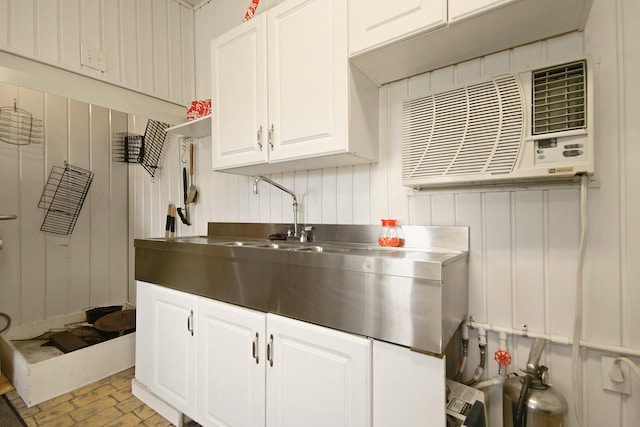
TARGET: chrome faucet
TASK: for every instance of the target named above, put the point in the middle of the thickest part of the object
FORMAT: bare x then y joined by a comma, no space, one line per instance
295,200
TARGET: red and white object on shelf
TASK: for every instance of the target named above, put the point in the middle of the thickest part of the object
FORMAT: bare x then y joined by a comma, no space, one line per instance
199,108
252,10
391,234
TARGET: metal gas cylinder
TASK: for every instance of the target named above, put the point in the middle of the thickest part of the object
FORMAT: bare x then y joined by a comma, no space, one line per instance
528,400
544,407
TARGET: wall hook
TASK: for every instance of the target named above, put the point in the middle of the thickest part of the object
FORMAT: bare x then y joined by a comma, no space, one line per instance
185,150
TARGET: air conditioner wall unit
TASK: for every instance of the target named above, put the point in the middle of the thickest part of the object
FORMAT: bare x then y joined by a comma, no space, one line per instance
528,126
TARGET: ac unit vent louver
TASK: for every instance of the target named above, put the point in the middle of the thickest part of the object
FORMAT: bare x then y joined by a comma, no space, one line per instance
559,98
469,130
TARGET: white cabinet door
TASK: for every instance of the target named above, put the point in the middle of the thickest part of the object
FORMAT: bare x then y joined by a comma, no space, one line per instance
373,23
298,107
408,387
224,365
319,376
239,95
231,365
173,348
308,78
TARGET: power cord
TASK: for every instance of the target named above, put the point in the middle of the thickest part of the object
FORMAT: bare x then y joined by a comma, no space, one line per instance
577,323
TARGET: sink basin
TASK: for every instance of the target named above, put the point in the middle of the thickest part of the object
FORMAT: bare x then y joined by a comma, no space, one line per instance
310,249
281,246
325,249
319,248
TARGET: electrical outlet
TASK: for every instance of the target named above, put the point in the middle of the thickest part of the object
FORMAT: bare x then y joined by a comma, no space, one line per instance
608,382
93,57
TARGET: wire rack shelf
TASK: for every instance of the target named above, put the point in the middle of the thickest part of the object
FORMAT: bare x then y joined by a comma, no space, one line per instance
63,197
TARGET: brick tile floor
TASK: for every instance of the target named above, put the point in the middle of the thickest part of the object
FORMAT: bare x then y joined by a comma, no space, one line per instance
107,403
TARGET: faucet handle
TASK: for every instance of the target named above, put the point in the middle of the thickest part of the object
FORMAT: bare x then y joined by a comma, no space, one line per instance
305,234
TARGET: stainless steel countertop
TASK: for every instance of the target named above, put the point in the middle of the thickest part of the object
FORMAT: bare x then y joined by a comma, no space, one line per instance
413,296
404,262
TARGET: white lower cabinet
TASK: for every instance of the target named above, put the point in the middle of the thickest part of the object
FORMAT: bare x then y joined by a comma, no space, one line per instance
316,376
232,368
166,350
224,365
409,388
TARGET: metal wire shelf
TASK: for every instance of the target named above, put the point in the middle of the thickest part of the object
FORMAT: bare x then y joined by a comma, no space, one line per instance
63,197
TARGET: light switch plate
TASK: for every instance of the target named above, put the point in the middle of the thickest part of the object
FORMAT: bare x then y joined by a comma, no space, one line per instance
607,383
93,57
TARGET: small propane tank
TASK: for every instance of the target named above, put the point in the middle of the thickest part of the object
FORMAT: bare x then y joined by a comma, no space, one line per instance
529,401
544,407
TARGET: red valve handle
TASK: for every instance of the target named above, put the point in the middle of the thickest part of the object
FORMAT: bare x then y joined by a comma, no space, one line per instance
503,358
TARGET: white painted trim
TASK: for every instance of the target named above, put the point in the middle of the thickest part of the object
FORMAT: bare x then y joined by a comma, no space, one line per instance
50,79
140,391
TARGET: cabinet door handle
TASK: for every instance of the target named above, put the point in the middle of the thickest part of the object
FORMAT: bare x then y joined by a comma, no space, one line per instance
270,350
190,322
260,138
255,349
271,131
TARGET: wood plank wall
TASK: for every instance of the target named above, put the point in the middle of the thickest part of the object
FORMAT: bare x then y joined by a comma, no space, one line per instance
44,274
149,45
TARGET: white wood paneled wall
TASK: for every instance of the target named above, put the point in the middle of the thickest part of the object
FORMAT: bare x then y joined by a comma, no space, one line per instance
44,275
149,44
524,241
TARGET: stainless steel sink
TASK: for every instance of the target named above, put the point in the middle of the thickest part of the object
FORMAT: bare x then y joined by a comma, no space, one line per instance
414,296
232,243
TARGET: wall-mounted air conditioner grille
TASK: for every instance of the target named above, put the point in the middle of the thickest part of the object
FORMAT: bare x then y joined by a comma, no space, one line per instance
469,130
515,127
559,98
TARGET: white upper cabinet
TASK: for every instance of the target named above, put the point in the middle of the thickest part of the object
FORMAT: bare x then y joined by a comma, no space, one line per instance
239,95
308,90
469,29
377,22
284,95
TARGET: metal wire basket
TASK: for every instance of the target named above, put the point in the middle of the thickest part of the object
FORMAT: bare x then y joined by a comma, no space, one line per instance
18,127
63,197
127,147
152,143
